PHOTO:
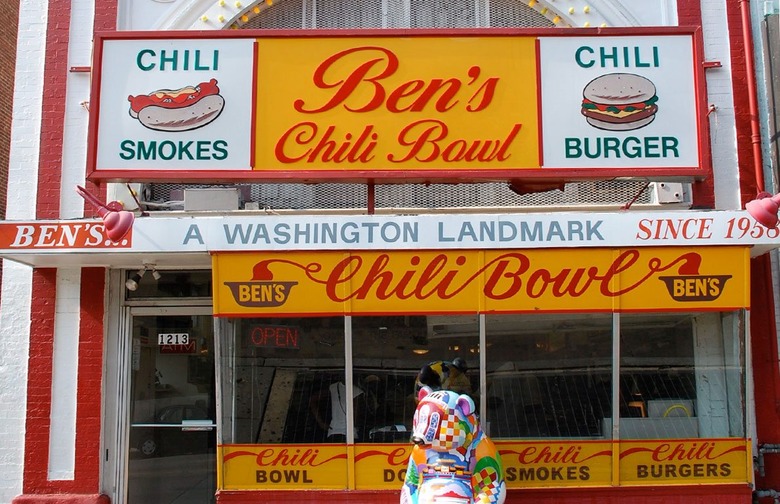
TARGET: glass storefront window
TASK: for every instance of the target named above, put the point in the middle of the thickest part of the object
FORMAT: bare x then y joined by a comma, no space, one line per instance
552,385
393,356
283,380
681,376
548,376
276,380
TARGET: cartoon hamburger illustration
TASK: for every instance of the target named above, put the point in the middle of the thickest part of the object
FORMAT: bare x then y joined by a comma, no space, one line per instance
619,102
183,109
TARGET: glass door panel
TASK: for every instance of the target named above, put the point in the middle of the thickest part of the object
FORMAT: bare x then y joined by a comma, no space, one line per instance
172,411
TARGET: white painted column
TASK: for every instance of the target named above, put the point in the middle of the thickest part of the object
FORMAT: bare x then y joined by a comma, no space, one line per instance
15,304
723,133
65,356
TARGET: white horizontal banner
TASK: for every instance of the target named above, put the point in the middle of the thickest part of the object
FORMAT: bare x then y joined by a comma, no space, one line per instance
386,232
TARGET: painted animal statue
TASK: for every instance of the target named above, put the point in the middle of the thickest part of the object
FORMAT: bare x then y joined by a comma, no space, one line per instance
452,460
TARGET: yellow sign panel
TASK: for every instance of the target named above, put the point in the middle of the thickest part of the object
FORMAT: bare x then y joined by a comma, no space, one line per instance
556,464
381,467
526,464
684,461
367,282
244,467
382,103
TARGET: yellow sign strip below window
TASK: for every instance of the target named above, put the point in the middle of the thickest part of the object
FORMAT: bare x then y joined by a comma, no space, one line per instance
246,467
526,464
469,281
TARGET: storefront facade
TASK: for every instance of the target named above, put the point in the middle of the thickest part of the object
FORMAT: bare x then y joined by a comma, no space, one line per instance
608,351
222,370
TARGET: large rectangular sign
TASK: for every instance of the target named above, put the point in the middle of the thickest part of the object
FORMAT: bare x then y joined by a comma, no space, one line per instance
49,243
386,106
474,281
526,464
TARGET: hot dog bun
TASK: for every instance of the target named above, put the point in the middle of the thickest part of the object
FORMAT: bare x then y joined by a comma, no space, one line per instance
186,118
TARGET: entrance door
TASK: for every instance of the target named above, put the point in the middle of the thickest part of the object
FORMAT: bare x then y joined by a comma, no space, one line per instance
172,410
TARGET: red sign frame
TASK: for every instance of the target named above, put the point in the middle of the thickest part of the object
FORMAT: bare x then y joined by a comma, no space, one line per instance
541,176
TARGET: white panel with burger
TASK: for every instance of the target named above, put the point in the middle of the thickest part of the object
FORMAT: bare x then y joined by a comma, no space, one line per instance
616,102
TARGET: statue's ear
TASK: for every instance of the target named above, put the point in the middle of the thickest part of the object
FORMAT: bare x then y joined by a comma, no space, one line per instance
466,404
423,392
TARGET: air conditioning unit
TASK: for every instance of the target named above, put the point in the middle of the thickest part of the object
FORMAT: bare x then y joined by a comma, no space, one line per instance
669,192
212,198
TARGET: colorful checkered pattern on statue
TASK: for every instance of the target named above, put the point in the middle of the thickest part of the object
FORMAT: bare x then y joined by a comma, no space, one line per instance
453,461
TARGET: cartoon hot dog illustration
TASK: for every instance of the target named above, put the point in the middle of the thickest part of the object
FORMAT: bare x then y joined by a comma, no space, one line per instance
619,102
183,109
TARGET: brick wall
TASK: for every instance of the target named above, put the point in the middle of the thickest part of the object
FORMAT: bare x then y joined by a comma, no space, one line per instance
9,11
39,485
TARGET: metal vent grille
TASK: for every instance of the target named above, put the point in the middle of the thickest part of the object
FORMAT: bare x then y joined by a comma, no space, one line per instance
326,15
414,196
513,14
443,13
338,14
288,15
341,14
